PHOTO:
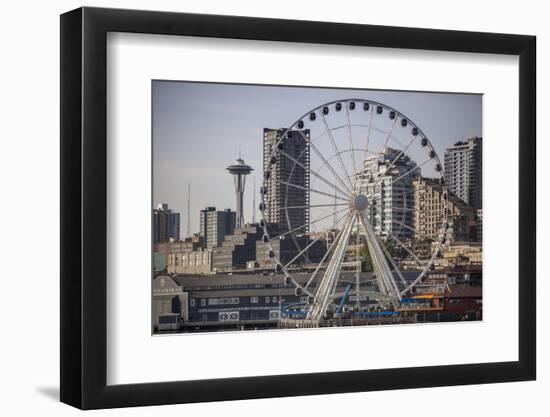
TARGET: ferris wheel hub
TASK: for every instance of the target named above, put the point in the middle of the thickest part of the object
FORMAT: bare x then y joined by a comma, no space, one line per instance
360,202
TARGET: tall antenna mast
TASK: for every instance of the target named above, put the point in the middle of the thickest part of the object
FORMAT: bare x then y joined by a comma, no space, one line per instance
189,209
254,200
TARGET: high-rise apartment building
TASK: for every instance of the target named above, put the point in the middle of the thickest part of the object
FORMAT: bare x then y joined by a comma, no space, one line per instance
429,201
166,224
387,181
463,171
215,225
287,181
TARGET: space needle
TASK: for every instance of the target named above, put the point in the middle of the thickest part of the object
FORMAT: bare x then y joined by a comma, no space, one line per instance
239,170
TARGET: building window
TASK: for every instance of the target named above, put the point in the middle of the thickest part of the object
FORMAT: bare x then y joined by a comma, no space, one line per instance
267,300
254,300
203,302
274,299
192,302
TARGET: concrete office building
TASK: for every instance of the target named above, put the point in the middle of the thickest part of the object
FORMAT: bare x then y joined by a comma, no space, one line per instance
282,170
479,225
198,261
215,225
161,251
236,249
390,211
463,171
166,224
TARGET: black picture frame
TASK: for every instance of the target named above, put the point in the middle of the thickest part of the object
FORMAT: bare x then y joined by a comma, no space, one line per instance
84,207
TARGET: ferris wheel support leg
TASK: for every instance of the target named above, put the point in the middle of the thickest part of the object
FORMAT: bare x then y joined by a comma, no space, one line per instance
330,278
384,275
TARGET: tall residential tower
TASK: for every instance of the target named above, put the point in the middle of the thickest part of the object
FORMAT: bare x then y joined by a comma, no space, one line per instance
288,182
463,173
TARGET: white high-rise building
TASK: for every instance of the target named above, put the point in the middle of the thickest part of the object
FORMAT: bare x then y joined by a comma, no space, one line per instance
215,225
389,188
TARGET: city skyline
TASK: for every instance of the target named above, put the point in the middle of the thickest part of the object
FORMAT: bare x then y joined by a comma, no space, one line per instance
228,119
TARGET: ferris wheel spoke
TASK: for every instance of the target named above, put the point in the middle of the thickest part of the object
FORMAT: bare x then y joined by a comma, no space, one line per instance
411,253
325,162
314,173
409,143
334,156
336,150
351,141
410,210
390,258
410,171
289,184
367,137
312,243
389,133
406,226
316,206
401,192
307,224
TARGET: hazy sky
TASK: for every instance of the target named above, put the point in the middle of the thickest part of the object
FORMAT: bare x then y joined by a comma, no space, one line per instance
199,128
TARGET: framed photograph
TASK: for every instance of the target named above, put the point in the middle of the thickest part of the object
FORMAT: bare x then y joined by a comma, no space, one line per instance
257,208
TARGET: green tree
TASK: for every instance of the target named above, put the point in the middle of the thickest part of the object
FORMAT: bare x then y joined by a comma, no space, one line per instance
365,254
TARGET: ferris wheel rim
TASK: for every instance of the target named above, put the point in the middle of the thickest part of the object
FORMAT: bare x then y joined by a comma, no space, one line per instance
284,268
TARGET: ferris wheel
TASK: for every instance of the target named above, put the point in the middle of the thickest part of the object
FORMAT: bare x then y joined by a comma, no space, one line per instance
345,215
